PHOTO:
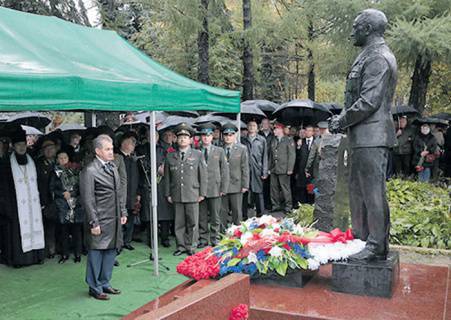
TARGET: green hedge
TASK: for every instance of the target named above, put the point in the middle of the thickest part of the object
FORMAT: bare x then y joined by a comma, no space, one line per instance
420,214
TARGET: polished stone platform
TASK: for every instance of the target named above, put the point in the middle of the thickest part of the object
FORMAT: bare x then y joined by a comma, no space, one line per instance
375,278
421,293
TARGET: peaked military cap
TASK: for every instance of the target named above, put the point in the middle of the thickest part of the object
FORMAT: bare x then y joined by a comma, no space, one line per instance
229,128
184,129
207,128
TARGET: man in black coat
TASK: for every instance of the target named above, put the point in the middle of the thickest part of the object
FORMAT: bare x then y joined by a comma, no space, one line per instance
101,195
267,133
303,147
366,116
44,167
127,150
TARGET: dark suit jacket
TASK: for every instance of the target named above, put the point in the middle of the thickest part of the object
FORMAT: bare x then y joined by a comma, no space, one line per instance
301,163
101,199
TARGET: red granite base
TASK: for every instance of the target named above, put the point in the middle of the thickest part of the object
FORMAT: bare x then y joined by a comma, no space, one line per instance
422,293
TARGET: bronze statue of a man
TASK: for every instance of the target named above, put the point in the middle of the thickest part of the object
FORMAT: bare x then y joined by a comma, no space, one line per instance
366,117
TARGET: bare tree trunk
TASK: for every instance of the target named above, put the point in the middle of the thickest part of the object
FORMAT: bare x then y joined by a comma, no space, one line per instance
203,45
248,73
420,82
311,63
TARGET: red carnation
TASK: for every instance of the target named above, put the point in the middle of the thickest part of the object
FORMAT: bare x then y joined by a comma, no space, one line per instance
241,312
170,150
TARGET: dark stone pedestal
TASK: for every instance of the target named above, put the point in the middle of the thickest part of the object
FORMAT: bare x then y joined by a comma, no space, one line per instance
296,279
377,278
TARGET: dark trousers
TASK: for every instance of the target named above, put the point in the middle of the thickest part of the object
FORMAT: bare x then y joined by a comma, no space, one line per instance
209,210
186,221
76,230
302,196
367,197
231,204
164,231
267,193
99,269
128,228
50,236
403,164
281,191
251,199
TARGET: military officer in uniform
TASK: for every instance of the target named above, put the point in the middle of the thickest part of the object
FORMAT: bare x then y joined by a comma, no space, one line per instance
218,183
186,186
366,116
237,158
282,158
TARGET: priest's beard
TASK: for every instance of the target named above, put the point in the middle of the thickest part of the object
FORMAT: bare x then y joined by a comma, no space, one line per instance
21,159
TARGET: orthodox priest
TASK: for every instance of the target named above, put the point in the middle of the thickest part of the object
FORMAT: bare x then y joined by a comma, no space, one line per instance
20,208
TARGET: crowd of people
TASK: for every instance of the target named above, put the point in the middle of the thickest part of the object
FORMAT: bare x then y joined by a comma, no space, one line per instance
208,177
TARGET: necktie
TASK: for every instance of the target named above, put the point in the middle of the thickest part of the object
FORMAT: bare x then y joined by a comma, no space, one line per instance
206,154
228,154
308,144
183,156
109,167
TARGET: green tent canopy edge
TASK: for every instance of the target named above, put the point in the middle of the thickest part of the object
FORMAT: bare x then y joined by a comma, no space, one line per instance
50,64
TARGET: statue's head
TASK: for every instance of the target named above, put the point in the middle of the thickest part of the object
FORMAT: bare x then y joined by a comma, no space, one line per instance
369,23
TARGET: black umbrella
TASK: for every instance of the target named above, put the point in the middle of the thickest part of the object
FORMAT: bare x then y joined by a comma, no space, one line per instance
129,126
173,121
248,112
33,119
404,110
442,115
334,108
217,120
266,106
431,120
301,112
184,113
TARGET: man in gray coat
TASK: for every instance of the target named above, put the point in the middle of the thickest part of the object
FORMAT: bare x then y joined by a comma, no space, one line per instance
101,190
366,116
258,165
218,183
281,164
237,159
186,186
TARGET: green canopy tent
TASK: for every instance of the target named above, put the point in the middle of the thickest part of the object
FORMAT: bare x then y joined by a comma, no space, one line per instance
50,64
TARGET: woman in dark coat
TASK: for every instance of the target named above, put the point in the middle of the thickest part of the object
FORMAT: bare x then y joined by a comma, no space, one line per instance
64,185
424,152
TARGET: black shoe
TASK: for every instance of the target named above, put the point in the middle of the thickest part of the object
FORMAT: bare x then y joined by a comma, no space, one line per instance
116,263
152,259
366,255
51,256
77,259
111,290
178,253
276,210
128,247
189,252
63,259
101,296
166,243
202,245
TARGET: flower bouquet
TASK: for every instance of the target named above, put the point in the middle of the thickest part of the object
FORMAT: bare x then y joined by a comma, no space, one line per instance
266,246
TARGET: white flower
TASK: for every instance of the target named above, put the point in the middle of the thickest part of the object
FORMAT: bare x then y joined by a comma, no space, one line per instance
267,219
275,251
252,257
313,264
245,237
267,233
323,253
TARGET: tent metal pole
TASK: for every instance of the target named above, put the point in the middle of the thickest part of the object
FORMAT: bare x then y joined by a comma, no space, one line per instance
238,125
153,182
93,119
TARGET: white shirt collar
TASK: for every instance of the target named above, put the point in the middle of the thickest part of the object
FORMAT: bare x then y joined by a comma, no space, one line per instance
103,162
